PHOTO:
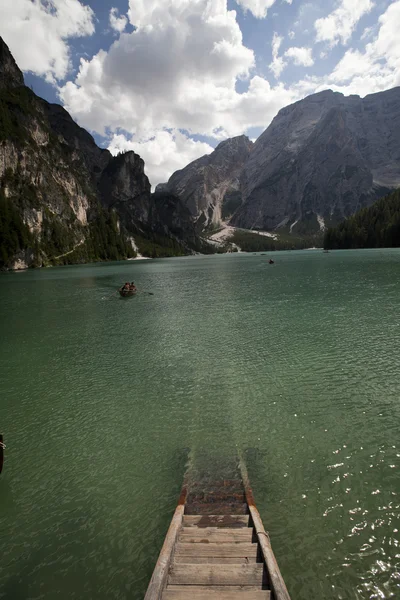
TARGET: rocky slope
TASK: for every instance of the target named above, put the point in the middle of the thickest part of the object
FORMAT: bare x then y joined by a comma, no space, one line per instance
59,191
320,160
210,186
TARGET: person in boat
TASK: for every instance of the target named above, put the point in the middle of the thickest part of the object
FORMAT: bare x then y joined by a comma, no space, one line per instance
126,287
132,287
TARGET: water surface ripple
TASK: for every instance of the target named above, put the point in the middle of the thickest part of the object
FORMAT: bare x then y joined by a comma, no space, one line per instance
296,363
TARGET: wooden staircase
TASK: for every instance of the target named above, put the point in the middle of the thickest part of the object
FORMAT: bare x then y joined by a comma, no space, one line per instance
216,548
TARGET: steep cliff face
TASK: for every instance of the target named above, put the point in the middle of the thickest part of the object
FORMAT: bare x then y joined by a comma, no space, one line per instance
10,74
62,198
320,160
210,186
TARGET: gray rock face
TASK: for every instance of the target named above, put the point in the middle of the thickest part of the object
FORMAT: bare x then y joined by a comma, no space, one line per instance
320,160
10,74
57,177
210,186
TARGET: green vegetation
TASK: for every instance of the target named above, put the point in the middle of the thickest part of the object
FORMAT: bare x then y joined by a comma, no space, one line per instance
14,234
159,246
375,227
100,240
254,242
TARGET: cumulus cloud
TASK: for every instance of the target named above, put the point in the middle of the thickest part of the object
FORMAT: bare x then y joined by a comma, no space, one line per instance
300,56
340,24
258,8
278,64
362,72
163,153
177,70
38,33
118,23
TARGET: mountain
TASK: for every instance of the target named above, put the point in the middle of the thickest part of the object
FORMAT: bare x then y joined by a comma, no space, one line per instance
210,186
377,226
64,199
320,160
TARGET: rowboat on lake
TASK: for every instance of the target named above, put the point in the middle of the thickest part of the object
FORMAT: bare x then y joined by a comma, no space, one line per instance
127,290
217,548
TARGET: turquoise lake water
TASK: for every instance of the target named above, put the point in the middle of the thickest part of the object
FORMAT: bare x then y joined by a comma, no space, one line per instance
101,401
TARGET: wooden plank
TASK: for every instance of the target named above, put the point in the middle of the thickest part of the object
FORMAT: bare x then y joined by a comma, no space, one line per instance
217,550
160,573
247,574
199,508
209,534
216,588
221,560
205,593
231,521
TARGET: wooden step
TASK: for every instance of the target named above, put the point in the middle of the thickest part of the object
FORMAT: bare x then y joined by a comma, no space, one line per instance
210,508
231,521
217,550
221,496
215,593
198,535
221,560
209,575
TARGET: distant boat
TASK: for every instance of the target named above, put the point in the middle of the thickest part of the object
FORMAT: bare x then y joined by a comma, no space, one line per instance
271,262
127,293
326,251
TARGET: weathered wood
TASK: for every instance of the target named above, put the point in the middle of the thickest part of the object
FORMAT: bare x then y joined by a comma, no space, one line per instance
231,521
275,577
195,508
216,588
243,574
207,593
160,573
221,560
217,550
208,535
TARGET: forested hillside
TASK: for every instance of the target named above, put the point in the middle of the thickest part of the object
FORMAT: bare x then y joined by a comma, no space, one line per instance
375,227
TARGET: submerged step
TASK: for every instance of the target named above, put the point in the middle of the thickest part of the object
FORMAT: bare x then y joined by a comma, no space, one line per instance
231,521
218,508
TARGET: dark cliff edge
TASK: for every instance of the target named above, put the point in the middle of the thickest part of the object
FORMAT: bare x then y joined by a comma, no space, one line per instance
65,200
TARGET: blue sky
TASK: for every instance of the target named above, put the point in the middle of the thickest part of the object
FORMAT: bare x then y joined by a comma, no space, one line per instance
171,78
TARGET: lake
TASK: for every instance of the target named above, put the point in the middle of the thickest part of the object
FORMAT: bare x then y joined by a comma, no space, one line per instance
296,363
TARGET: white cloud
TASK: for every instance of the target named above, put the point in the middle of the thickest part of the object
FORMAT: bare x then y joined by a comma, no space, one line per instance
340,24
38,33
177,70
300,56
163,153
378,66
278,64
258,8
118,23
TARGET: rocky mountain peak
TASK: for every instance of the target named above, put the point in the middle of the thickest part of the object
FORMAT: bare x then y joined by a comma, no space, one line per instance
10,74
210,186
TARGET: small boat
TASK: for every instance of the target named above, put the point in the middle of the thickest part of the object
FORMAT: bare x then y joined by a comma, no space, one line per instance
216,546
271,262
127,293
